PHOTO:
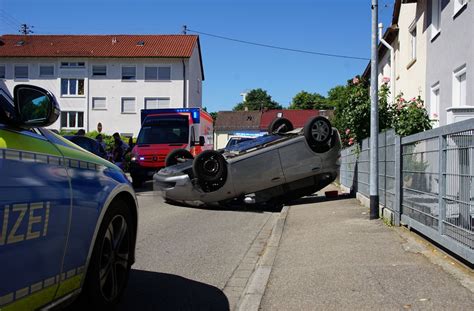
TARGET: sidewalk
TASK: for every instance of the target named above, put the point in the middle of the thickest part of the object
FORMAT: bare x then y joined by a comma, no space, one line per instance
332,257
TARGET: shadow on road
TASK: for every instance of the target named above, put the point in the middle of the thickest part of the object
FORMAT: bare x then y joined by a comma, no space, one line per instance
146,186
316,199
148,290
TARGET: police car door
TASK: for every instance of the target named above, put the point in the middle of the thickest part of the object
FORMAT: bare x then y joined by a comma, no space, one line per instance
35,211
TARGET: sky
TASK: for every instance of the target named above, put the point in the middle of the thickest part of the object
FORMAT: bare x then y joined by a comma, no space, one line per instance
340,27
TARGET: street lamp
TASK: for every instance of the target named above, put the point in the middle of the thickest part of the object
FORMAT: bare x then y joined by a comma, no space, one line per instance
374,119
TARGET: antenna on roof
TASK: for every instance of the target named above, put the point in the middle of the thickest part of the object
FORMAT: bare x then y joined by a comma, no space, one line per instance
185,29
26,29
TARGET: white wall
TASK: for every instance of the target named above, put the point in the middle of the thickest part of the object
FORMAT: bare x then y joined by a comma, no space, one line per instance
411,76
195,80
110,87
114,89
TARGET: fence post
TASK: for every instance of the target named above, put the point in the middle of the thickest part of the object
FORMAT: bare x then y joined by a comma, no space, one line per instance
398,181
442,183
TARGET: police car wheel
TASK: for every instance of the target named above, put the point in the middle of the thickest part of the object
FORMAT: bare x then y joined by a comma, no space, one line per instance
110,264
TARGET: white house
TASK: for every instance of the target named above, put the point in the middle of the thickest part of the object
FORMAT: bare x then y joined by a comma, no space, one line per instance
407,37
106,79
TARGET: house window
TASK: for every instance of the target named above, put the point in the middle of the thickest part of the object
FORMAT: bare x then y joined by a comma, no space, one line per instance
459,87
2,72
157,73
151,73
164,73
73,64
99,70
129,73
435,17
72,119
413,41
72,87
458,5
99,103
199,86
46,71
156,103
434,104
21,72
128,105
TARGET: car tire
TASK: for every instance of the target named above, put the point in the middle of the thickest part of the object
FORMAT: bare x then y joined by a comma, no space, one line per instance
210,166
176,156
111,259
317,131
279,126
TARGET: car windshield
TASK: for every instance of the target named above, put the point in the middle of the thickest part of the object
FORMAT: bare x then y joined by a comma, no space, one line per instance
254,143
236,140
164,130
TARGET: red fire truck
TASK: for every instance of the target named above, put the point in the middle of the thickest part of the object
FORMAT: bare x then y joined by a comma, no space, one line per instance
167,135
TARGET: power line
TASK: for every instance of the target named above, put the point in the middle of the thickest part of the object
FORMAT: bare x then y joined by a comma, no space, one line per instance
277,47
7,20
9,17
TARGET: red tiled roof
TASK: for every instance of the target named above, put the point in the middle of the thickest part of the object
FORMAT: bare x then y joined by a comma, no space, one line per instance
297,117
237,120
168,46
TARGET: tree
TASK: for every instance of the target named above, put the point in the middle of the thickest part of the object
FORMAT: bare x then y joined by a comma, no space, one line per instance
213,114
306,100
257,99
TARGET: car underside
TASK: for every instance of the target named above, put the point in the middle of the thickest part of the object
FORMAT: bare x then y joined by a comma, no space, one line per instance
282,166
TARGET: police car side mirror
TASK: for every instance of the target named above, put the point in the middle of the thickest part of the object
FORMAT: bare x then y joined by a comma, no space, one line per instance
202,141
35,107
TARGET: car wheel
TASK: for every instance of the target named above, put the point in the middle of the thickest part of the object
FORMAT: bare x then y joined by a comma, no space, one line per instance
280,125
177,156
210,166
109,267
317,131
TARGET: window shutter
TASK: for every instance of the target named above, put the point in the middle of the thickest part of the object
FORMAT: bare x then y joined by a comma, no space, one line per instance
99,70
98,103
151,73
164,73
128,105
157,103
128,73
46,71
21,72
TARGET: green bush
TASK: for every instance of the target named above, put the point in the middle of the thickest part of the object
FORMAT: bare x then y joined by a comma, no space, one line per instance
352,115
108,140
410,117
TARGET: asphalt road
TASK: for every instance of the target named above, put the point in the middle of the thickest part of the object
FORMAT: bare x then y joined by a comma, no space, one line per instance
185,256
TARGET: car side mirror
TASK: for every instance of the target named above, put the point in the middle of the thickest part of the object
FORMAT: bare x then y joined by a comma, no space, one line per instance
202,141
34,106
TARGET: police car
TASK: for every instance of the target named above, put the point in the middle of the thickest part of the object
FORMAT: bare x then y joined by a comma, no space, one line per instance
68,219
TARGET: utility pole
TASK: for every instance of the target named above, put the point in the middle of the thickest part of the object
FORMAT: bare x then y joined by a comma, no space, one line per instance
185,30
26,29
374,119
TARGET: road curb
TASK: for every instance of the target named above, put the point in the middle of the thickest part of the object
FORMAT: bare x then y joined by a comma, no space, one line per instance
257,284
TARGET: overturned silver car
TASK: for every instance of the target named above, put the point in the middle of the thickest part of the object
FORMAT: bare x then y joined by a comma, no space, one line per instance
284,165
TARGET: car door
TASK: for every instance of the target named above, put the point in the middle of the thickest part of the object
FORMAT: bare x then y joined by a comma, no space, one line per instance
257,170
35,213
298,160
